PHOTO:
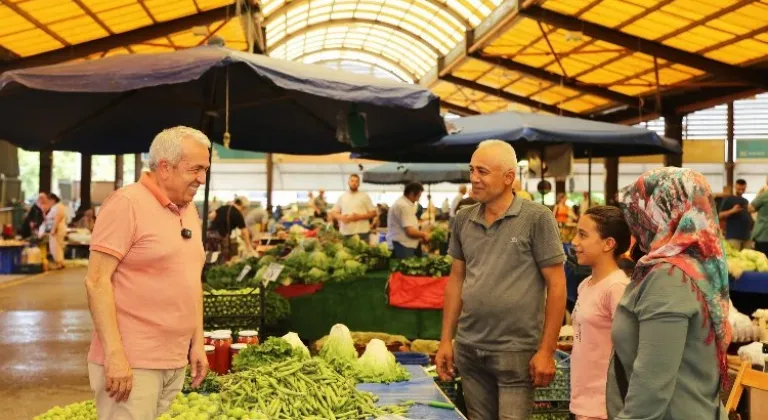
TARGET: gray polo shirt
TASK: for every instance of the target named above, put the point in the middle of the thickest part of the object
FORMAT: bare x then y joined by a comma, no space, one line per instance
503,292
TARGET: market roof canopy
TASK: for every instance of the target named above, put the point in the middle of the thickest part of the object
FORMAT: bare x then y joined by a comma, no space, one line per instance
118,104
526,131
614,60
425,173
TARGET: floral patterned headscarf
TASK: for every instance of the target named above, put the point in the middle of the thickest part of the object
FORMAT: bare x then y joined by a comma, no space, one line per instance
673,218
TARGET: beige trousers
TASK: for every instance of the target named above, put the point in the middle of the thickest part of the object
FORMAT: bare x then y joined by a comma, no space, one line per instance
152,394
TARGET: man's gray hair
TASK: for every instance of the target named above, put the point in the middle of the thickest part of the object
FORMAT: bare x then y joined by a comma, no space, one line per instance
167,144
505,152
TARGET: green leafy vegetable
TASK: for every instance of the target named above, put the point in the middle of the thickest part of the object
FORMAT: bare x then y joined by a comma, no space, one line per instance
273,350
339,349
377,364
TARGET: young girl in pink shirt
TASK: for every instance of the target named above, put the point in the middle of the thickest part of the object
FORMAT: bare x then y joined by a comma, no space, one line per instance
602,237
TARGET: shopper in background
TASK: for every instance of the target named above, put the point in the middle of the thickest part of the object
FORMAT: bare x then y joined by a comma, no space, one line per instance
735,211
143,283
520,192
403,232
226,219
256,220
35,216
320,205
561,210
457,199
55,226
602,238
507,262
671,332
760,232
354,211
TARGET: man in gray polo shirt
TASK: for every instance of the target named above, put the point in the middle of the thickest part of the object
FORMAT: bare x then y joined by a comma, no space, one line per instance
508,261
403,232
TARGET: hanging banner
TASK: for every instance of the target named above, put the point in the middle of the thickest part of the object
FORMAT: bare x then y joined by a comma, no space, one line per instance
752,149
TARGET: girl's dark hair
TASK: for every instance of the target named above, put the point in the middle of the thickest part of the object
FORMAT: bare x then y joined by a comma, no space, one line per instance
54,197
611,224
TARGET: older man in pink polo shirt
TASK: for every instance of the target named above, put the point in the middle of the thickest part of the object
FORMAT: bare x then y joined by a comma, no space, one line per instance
143,283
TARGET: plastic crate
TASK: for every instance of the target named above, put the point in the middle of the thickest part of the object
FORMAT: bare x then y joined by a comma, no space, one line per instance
412,358
231,311
560,388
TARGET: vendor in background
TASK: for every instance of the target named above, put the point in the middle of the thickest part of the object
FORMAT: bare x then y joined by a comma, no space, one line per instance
457,199
670,331
226,219
520,192
760,232
354,211
734,210
35,216
320,205
256,220
505,296
403,232
55,226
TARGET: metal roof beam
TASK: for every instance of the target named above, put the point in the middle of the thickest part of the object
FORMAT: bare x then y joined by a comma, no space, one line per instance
558,79
511,97
684,103
458,109
124,39
645,46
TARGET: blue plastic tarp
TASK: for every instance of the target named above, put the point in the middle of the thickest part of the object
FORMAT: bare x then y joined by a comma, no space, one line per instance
421,388
117,104
527,131
751,282
426,173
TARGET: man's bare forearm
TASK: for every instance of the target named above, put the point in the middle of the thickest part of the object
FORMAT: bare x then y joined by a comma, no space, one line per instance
452,305
555,308
197,338
101,301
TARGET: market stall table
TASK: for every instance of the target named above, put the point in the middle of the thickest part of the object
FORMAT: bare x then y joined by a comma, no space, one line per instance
361,305
421,388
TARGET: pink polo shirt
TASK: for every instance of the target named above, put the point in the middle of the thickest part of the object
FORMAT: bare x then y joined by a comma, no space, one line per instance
157,282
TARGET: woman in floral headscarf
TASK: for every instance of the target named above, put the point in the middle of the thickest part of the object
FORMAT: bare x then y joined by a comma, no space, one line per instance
670,331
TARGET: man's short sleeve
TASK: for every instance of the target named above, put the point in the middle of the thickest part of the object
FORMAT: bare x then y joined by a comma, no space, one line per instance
547,245
727,204
455,248
115,227
237,220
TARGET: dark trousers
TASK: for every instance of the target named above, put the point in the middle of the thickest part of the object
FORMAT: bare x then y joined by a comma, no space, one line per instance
401,252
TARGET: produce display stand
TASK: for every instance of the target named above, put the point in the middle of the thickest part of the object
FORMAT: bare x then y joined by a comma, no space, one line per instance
361,304
421,389
252,304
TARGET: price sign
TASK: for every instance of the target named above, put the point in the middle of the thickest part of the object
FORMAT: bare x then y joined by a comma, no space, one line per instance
273,272
242,274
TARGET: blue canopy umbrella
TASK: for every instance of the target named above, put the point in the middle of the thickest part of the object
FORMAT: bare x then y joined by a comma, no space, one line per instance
117,104
426,173
527,131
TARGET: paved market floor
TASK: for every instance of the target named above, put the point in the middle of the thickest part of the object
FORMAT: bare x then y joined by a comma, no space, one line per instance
45,329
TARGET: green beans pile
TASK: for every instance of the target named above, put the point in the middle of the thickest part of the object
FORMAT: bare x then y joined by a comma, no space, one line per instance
294,389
